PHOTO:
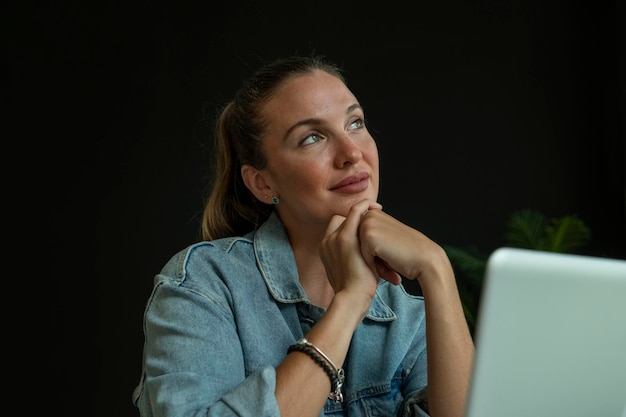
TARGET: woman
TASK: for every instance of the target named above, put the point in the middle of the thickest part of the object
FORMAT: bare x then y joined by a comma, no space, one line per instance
293,303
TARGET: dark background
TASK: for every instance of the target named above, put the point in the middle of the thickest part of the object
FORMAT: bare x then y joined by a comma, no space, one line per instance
480,107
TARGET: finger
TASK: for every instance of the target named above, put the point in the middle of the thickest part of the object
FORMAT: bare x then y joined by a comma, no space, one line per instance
354,215
376,206
335,222
386,273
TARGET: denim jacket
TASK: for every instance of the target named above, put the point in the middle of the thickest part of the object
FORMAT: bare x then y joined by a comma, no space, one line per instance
222,315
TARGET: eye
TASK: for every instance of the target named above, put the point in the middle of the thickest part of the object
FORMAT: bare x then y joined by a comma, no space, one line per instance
312,138
357,124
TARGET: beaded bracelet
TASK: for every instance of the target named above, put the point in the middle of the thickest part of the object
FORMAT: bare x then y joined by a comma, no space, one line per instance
336,375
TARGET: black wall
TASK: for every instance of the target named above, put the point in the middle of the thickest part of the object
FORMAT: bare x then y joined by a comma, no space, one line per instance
480,107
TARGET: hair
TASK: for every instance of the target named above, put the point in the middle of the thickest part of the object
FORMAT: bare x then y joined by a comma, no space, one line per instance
231,209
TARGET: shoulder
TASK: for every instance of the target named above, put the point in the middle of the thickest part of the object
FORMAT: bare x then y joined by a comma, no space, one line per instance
216,257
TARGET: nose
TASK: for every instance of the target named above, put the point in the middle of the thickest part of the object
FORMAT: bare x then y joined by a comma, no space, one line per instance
347,151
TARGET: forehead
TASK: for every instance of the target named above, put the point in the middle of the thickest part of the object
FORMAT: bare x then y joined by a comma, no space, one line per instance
316,94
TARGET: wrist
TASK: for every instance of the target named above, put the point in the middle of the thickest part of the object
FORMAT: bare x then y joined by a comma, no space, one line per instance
350,306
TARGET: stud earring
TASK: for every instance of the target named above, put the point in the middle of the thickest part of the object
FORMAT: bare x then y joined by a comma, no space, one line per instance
275,200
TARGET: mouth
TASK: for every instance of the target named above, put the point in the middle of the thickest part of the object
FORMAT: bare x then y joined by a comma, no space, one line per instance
352,184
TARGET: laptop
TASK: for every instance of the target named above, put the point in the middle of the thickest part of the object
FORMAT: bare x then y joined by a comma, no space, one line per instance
550,337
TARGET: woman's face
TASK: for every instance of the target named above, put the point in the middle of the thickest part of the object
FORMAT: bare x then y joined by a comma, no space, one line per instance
321,157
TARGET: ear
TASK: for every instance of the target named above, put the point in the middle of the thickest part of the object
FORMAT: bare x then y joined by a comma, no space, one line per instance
257,183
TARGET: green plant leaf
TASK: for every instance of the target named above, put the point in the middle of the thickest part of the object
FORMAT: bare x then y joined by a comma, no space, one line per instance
470,316
526,229
471,264
567,234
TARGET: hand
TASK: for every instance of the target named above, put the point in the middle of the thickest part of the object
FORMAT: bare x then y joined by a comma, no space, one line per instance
395,248
341,252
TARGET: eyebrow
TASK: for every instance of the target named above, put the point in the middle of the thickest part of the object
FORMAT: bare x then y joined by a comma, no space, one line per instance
315,121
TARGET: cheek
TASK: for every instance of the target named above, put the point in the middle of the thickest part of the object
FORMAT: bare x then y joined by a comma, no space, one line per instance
370,154
303,178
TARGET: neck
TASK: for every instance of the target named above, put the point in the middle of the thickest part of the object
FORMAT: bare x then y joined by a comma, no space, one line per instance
311,270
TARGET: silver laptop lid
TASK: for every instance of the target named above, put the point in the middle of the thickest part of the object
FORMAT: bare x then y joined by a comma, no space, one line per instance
550,337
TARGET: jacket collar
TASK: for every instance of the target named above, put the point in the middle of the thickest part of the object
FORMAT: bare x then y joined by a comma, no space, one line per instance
278,267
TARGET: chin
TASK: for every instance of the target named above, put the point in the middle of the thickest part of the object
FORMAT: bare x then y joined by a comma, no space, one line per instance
344,208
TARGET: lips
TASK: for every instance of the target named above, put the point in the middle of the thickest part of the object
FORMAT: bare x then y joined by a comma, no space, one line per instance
352,184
